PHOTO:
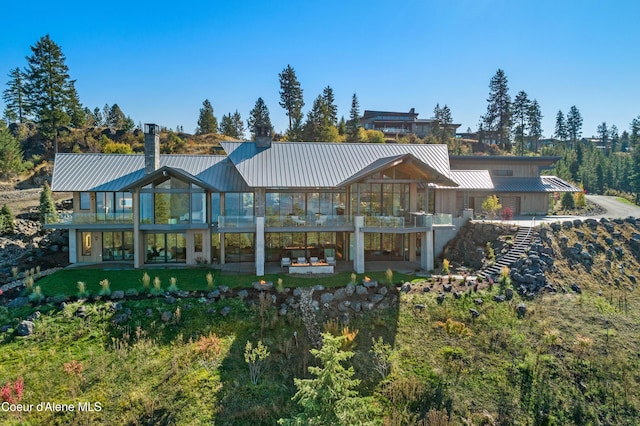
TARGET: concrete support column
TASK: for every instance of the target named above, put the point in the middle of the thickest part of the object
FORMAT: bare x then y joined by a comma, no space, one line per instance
222,256
358,245
260,246
426,254
73,246
139,249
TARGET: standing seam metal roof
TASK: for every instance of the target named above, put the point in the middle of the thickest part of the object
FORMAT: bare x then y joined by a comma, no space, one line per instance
320,164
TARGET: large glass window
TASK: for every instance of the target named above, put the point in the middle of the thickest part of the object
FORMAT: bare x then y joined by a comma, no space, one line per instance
117,245
238,204
85,201
304,204
301,244
380,199
173,201
165,248
239,247
114,204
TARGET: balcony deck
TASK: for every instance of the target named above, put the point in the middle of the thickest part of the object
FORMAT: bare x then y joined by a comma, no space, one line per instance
71,220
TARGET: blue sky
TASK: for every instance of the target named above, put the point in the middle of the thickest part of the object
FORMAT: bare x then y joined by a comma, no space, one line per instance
159,60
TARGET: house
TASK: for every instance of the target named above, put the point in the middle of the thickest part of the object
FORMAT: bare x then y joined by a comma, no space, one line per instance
262,202
517,181
394,124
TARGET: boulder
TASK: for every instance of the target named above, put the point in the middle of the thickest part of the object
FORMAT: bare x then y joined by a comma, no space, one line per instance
383,291
499,298
326,298
406,288
243,294
441,298
25,328
225,311
18,302
339,294
419,307
521,310
361,290
166,316
349,289
474,313
478,301
576,288
376,298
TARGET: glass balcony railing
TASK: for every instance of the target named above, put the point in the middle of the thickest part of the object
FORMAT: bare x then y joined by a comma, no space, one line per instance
236,221
442,220
90,219
413,220
308,221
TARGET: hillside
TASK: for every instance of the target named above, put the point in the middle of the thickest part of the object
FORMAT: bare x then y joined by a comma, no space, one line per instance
560,353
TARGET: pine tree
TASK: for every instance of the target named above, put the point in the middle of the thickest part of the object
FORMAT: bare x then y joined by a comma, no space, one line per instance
521,105
7,220
614,137
342,126
291,98
442,124
238,125
207,122
561,127
330,103
116,119
574,124
226,125
74,109
258,116
15,97
498,116
330,397
353,125
47,208
318,127
50,90
11,156
98,118
535,123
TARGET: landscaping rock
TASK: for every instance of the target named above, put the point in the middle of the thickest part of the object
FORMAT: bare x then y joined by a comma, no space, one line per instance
223,289
340,294
419,307
318,287
474,313
575,287
243,294
81,312
427,289
357,306
361,290
169,300
499,298
166,316
211,311
18,302
34,316
344,306
478,301
148,313
117,295
132,292
383,291
370,283
326,298
297,292
25,328
315,304
406,288
441,298
508,293
213,294
447,287
120,319
376,298
5,328
283,310
349,289
521,310
225,311
457,295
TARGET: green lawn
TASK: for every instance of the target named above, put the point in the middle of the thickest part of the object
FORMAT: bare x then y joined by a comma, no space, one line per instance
65,281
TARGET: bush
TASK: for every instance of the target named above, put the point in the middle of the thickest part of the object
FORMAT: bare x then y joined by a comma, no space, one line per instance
491,205
579,199
506,213
567,201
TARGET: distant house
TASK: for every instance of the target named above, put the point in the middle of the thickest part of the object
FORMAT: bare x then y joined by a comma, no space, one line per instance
265,202
395,124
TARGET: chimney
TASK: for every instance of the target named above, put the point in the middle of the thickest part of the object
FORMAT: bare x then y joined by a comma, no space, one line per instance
263,136
151,148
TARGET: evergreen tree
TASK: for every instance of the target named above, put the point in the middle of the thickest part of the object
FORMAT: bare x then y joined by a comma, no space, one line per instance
353,125
521,105
330,103
498,116
74,109
11,156
535,123
226,125
291,98
561,127
238,125
330,397
574,124
15,97
116,118
98,118
603,133
442,123
50,90
47,207
614,137
7,220
258,116
207,122
342,126
318,127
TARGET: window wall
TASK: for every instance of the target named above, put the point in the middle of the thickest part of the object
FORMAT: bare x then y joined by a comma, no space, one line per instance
113,204
117,246
380,199
171,202
238,204
302,244
379,246
305,204
165,248
239,247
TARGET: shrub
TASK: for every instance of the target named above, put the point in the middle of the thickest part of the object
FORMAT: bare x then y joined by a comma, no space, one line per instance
256,358
389,276
173,285
491,254
491,205
210,281
36,296
381,353
12,392
6,215
568,201
579,199
445,266
105,288
146,282
47,207
157,287
506,213
82,290
279,286
505,280
353,278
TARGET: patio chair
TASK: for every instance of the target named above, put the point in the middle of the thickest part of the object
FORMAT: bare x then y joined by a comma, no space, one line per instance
285,261
313,259
302,260
331,260
321,220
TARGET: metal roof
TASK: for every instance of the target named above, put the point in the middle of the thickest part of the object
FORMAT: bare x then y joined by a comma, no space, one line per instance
112,172
469,179
321,164
532,184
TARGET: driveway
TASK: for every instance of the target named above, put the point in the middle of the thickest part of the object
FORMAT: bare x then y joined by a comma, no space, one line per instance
614,208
